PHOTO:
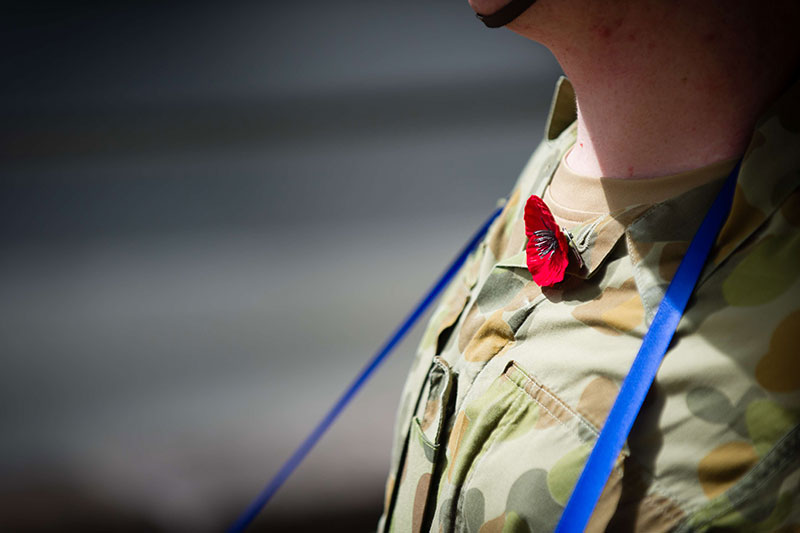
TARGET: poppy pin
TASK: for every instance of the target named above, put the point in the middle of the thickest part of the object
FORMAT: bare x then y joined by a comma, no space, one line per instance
548,250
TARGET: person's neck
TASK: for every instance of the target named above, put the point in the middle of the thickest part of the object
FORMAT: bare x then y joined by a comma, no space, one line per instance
658,102
651,120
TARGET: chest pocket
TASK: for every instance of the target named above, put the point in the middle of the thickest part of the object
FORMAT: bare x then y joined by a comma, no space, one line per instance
412,508
515,454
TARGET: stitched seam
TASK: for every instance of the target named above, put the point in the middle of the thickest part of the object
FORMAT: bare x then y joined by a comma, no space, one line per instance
546,410
540,404
558,401
632,252
650,303
593,214
648,213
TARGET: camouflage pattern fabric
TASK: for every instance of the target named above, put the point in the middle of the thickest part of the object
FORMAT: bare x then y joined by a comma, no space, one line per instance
512,383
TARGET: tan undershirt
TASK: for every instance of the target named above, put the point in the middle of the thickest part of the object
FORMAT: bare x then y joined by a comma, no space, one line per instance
575,199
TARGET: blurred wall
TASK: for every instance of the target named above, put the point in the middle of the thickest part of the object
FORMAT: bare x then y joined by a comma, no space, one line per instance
211,215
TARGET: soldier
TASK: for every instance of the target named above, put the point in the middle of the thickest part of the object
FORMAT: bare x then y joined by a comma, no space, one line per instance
523,359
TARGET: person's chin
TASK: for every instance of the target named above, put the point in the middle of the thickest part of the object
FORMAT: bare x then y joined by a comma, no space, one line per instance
487,7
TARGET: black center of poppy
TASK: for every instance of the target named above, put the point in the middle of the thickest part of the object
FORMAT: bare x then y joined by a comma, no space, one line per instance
545,242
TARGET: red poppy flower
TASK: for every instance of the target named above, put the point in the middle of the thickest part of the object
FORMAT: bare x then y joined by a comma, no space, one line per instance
547,250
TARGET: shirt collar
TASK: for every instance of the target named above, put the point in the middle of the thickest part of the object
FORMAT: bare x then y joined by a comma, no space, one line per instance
770,172
767,176
563,109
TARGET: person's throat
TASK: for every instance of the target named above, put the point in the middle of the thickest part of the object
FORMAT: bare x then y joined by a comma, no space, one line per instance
648,128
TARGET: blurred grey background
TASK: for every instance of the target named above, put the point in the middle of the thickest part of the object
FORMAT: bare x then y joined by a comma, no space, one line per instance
211,215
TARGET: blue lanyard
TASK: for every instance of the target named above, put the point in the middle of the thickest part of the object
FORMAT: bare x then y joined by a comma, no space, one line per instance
636,384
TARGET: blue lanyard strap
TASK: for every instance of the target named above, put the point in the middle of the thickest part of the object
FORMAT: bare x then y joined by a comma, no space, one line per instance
297,457
636,384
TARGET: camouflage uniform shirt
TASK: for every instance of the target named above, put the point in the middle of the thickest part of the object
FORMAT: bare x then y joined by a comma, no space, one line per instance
512,383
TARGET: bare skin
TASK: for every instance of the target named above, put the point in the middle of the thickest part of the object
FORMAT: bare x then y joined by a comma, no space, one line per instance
664,86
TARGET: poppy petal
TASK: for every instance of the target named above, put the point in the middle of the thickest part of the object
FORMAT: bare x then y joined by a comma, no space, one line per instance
547,250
